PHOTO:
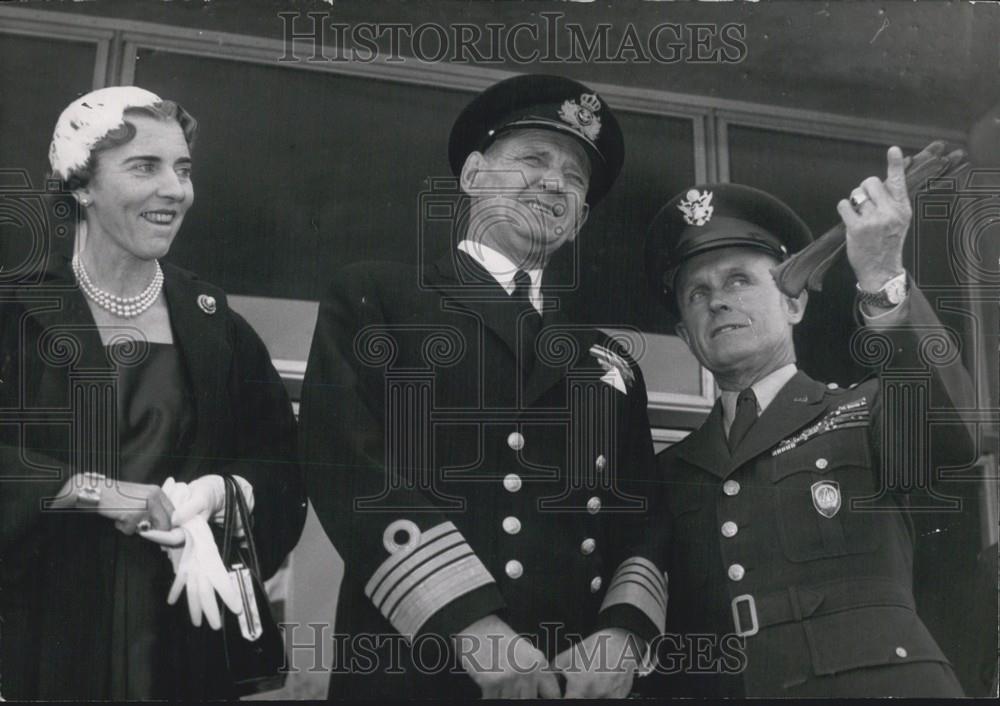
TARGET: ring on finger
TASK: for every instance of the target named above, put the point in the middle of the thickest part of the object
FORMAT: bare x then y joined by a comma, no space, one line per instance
858,198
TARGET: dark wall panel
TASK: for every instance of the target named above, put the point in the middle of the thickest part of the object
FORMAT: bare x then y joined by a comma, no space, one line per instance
811,174
38,78
299,172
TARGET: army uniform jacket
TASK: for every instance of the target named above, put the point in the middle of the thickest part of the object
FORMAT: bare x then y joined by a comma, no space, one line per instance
456,487
795,552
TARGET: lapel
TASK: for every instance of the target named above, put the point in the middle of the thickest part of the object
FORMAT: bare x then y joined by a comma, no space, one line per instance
61,312
201,339
706,446
555,326
798,403
465,284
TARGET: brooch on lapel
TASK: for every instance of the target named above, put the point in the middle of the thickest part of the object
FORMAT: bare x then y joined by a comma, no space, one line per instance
826,497
848,415
617,373
206,303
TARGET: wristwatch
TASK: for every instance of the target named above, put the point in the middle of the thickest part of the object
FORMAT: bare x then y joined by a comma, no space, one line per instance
891,294
88,496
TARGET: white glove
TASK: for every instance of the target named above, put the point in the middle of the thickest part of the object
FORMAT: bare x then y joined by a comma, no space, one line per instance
198,568
206,496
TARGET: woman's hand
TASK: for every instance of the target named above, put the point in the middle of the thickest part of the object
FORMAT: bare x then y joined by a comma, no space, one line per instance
199,570
205,497
130,505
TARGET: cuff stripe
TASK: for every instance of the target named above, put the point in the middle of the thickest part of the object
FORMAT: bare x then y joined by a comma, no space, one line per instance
639,580
649,568
416,559
415,577
399,557
439,589
638,596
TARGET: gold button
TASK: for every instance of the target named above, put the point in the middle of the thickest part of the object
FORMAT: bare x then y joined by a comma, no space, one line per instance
512,482
595,584
588,546
514,569
731,487
515,440
736,572
822,463
902,653
594,505
601,463
511,525
729,529
832,385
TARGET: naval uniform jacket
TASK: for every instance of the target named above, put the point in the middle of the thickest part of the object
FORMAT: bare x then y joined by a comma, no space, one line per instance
780,532
456,486
53,640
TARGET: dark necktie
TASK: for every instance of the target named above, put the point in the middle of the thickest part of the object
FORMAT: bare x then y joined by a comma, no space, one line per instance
530,321
746,415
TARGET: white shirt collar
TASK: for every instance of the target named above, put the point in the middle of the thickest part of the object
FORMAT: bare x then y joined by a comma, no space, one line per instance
503,270
766,389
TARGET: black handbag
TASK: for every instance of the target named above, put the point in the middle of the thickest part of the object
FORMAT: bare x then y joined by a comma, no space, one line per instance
254,646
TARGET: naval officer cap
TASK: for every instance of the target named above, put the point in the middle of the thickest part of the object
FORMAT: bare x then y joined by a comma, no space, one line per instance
715,216
544,102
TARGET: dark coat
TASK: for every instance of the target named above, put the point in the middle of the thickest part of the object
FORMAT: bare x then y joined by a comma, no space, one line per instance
821,492
54,638
413,415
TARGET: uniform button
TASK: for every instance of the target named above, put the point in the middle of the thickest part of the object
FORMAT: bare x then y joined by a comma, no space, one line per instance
736,572
511,525
515,440
601,463
512,482
514,569
729,529
594,505
588,546
731,487
595,584
832,385
902,653
822,463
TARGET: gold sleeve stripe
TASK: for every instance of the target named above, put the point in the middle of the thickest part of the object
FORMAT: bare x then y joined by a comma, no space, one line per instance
399,557
408,582
639,579
647,567
438,590
417,558
639,596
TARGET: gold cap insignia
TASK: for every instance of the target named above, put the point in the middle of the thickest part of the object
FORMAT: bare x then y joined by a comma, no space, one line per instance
582,116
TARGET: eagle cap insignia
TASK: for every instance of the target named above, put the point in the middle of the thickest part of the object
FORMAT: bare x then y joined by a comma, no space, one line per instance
582,116
697,207
826,497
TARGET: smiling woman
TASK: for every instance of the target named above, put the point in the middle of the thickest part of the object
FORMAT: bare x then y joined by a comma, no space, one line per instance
145,393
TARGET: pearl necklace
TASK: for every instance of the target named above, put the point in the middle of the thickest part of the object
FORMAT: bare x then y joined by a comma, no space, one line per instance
122,307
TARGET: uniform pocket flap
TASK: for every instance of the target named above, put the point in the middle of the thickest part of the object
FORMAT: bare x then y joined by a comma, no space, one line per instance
868,637
823,455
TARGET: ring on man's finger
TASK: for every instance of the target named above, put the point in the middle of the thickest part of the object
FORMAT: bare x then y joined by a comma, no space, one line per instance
857,199
144,526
